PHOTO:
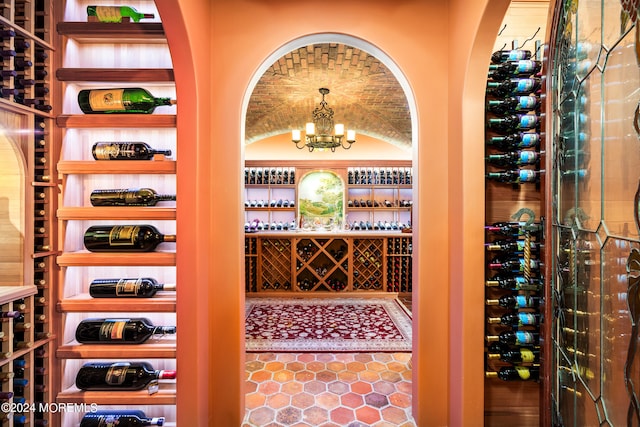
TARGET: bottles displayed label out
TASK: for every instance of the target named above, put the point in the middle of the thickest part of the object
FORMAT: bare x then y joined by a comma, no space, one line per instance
120,100
126,238
512,123
125,151
120,419
128,197
516,176
510,55
144,287
119,331
116,13
119,376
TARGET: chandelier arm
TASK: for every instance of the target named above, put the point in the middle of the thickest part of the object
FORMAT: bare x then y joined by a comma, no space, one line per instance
298,146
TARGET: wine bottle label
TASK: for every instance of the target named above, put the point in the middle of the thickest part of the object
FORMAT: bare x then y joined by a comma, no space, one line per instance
126,287
113,329
527,319
527,355
106,151
529,140
107,100
527,102
523,337
108,421
517,55
523,85
527,157
523,301
526,175
153,386
528,121
108,13
523,372
525,66
117,373
123,235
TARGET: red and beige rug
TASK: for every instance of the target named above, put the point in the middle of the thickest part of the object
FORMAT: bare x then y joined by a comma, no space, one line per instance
326,325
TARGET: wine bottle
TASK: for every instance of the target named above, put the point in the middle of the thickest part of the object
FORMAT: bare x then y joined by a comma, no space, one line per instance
144,287
513,123
512,229
118,419
510,55
514,141
105,376
515,176
505,70
119,331
516,338
116,13
511,246
128,197
125,151
517,283
514,158
128,238
515,264
516,301
514,373
517,319
513,87
120,100
518,355
513,104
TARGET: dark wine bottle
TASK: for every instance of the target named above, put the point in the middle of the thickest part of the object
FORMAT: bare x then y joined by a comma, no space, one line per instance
516,338
513,123
517,355
119,331
515,373
516,283
118,419
514,158
510,55
511,246
126,238
515,176
144,287
514,264
128,197
517,319
513,87
515,301
515,141
513,104
512,229
120,100
125,151
505,70
105,376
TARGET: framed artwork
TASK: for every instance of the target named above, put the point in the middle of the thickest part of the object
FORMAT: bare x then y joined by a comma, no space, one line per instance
321,201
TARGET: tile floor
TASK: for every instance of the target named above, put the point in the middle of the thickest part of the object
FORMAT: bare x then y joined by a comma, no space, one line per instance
328,390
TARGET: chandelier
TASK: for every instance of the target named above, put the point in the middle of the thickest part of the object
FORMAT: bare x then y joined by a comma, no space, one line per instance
318,133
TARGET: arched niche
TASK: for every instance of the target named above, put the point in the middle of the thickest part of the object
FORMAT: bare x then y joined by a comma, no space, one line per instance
13,199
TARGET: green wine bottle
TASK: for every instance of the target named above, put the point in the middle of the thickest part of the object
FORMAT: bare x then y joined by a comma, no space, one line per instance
116,13
120,100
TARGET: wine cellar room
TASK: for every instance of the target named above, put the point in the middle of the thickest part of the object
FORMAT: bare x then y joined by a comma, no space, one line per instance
441,242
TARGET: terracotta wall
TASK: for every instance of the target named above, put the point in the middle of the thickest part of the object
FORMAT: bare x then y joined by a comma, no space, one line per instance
443,50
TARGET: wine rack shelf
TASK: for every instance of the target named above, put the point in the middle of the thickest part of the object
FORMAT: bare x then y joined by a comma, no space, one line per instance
131,32
158,349
166,395
12,293
122,213
86,303
129,75
157,258
117,167
327,262
135,121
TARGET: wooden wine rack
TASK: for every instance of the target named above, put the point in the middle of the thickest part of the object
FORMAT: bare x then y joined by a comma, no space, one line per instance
399,263
326,262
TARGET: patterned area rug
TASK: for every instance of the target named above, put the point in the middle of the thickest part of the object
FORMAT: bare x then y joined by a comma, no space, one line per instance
327,325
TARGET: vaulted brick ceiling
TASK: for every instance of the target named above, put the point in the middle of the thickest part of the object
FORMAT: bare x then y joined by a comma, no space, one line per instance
365,95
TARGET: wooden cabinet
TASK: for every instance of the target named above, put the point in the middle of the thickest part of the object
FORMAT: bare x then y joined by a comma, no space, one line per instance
103,55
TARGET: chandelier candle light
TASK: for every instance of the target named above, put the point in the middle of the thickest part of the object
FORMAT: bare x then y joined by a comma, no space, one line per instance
318,133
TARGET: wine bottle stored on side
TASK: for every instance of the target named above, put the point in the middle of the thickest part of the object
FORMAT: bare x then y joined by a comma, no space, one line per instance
125,151
515,264
116,13
514,141
513,123
128,197
517,355
516,338
515,373
516,283
516,301
514,158
514,87
515,176
505,70
120,100
105,376
511,246
143,287
517,319
513,104
124,238
120,420
510,55
119,331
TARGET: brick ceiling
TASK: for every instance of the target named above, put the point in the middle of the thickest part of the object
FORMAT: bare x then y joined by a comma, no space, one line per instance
365,95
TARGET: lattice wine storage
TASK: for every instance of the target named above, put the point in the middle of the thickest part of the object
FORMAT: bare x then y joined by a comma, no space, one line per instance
368,268
276,264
